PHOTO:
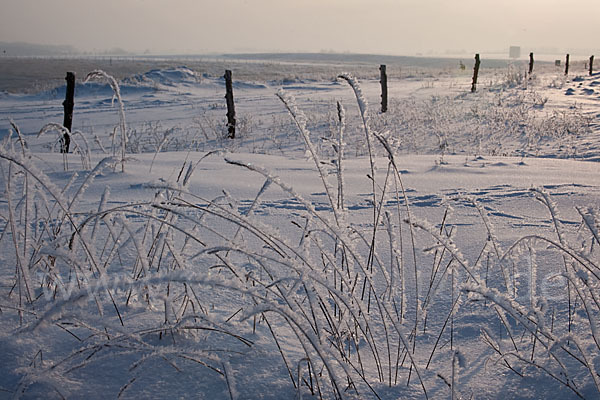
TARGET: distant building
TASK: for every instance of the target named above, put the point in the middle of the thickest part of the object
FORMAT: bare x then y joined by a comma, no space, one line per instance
514,52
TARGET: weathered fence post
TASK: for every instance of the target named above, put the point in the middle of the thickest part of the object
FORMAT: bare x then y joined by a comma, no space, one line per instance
68,105
230,105
384,94
567,65
591,65
475,73
530,64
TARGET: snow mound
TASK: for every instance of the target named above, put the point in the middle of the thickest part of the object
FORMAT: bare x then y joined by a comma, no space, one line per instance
93,89
170,77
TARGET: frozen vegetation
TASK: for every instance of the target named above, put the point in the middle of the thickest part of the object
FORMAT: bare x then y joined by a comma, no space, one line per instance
448,248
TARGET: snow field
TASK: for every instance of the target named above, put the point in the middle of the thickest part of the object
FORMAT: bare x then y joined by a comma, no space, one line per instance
217,272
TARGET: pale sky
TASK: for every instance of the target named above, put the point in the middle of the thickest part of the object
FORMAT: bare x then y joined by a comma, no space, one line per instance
359,26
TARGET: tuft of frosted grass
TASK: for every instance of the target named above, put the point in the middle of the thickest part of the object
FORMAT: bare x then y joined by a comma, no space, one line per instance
101,75
340,153
396,264
62,132
32,170
591,218
20,137
23,278
84,153
377,207
493,239
386,314
544,198
300,120
164,140
363,106
54,127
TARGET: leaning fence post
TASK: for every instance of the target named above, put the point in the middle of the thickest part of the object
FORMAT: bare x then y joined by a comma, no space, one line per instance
230,105
591,65
567,65
68,105
383,81
475,73
530,64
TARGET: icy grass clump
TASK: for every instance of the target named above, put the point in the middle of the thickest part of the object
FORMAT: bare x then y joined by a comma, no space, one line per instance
493,122
99,74
184,281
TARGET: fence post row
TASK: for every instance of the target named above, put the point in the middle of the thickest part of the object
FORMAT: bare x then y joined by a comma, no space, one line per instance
230,104
475,73
68,105
69,102
384,92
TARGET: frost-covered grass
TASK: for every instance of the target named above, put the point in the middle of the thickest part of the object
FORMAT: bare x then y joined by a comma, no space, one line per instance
354,290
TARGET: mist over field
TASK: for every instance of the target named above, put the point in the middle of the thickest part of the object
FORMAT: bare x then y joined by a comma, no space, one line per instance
405,27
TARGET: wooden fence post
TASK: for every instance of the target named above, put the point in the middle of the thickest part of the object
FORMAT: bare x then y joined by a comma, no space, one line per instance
567,65
68,105
230,105
384,94
475,73
591,65
530,64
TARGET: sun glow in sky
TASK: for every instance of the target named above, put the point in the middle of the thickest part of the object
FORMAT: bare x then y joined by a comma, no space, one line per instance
360,26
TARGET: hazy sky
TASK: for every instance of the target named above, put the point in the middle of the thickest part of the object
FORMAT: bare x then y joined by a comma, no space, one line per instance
366,26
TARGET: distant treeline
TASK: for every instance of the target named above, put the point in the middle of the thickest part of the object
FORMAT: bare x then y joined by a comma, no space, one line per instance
22,49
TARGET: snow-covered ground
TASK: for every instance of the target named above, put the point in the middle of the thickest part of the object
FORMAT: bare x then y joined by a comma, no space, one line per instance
446,248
